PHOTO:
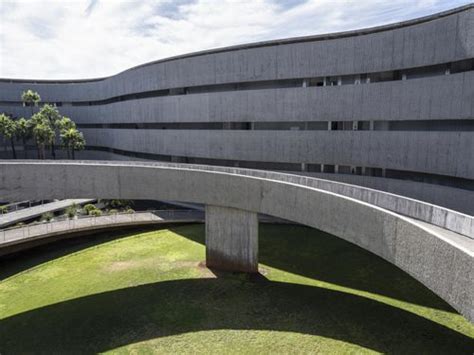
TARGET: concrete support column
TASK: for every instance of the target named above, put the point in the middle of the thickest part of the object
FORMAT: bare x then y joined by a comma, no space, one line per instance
231,239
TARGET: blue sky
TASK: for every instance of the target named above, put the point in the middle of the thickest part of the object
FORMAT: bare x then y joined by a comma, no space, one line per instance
93,38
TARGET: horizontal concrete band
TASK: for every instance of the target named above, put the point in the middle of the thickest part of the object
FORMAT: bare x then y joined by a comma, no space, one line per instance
319,84
443,97
425,152
441,260
445,39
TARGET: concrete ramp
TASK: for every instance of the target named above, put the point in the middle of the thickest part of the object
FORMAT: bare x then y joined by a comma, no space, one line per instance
438,257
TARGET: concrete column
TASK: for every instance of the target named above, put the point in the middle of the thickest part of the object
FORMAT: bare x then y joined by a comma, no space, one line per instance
231,239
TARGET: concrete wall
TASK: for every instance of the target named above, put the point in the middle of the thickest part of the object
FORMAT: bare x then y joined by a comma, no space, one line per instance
445,153
442,97
442,261
449,197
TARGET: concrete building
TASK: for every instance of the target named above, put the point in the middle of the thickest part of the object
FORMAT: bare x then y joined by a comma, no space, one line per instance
391,108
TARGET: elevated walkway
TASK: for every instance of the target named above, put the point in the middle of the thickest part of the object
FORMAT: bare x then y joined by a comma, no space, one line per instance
432,244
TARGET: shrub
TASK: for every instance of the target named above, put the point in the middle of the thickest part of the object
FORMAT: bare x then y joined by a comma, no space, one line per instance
130,210
95,212
89,207
48,216
71,211
113,211
118,204
3,209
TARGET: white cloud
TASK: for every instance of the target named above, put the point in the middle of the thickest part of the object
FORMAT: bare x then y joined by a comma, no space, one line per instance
84,38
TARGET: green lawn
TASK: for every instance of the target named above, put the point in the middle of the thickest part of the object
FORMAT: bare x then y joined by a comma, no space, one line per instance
145,292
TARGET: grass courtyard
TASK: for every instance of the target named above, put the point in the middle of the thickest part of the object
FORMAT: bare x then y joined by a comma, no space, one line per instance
147,292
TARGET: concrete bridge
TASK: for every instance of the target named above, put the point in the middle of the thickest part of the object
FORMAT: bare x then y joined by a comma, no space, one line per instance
436,248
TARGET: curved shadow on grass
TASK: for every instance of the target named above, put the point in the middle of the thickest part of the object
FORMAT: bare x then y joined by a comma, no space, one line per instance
297,249
109,320
317,255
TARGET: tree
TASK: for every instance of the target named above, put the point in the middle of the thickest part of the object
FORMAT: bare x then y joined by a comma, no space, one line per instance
65,123
30,98
8,130
24,132
72,140
42,132
51,113
45,126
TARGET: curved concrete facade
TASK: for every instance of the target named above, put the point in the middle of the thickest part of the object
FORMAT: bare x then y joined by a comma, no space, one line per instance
440,259
390,107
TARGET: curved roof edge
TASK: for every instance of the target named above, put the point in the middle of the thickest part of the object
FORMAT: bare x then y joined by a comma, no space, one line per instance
275,42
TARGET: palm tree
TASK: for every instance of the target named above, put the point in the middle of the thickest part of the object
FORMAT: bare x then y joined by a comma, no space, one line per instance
8,130
42,132
23,132
51,113
72,140
30,98
65,123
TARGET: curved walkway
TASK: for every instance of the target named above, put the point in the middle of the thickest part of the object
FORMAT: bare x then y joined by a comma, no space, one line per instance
439,258
35,211
13,236
439,216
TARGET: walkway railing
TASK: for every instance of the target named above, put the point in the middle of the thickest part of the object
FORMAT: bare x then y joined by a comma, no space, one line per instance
64,224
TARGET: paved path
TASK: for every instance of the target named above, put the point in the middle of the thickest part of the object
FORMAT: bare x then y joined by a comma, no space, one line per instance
10,218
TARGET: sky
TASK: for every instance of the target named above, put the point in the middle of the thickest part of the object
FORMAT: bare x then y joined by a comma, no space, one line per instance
72,39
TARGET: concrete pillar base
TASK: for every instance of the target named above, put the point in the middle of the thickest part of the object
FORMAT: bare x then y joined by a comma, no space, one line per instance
231,239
